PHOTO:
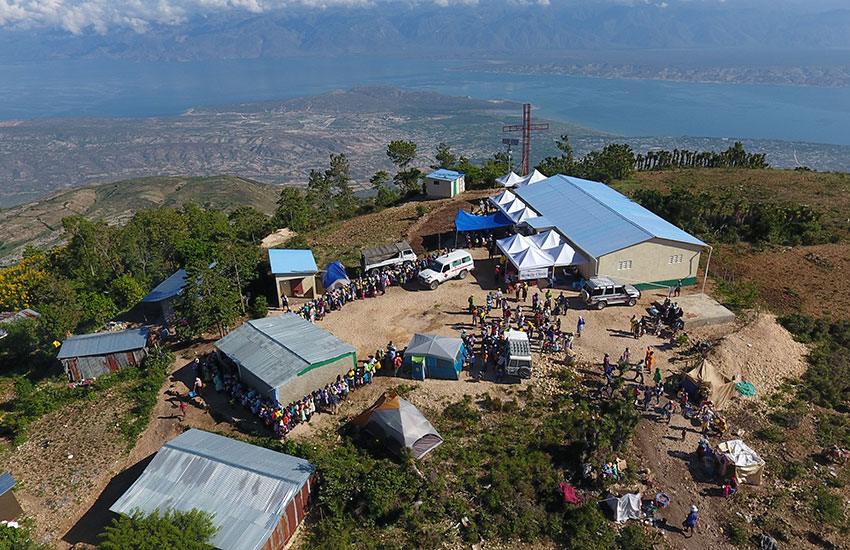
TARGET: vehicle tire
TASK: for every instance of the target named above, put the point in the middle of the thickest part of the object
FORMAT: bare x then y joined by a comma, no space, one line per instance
373,272
462,274
524,372
433,285
601,304
632,301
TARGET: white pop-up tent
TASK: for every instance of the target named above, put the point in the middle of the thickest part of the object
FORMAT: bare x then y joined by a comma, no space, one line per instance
523,215
514,244
509,180
547,240
533,177
502,198
565,255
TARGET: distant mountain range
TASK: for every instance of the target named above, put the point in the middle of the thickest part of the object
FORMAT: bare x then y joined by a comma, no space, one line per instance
497,28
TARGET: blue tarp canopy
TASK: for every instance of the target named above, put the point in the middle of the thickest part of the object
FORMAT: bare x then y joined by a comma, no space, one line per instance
167,288
335,276
464,221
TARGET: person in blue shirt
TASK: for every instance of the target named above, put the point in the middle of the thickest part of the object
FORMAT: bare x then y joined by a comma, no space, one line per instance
690,522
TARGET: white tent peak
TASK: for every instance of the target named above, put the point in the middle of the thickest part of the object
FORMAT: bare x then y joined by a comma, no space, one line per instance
509,180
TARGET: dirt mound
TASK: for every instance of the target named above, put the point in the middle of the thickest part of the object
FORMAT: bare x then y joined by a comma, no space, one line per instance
763,352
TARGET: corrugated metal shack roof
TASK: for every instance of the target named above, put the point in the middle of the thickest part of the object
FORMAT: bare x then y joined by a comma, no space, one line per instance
598,219
245,487
292,262
167,288
104,343
276,349
6,483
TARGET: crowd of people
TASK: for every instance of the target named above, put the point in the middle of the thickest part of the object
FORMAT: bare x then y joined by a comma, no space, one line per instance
277,417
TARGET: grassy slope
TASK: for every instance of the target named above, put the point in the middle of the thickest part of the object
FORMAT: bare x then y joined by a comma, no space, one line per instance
40,222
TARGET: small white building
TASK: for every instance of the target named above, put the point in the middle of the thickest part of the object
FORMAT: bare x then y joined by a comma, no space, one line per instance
294,273
444,183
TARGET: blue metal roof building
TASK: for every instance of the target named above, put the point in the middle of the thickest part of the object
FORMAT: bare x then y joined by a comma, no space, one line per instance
10,509
257,496
168,288
292,262
445,175
444,183
608,226
286,356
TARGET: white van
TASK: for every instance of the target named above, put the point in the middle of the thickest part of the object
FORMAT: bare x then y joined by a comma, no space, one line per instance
445,267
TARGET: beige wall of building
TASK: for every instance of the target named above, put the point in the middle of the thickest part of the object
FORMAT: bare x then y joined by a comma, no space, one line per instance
288,285
444,189
653,261
315,379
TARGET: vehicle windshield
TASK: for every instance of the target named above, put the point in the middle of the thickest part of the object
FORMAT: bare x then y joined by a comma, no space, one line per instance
436,266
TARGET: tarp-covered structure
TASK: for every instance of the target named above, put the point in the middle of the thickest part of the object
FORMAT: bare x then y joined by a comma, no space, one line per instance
335,277
748,465
705,374
464,221
257,497
434,356
625,507
399,425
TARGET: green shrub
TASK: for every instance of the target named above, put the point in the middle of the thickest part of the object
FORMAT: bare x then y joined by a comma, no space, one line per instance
463,412
260,307
828,507
421,210
774,434
738,533
634,537
173,529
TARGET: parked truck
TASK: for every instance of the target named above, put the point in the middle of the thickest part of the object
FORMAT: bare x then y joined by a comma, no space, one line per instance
374,260
518,359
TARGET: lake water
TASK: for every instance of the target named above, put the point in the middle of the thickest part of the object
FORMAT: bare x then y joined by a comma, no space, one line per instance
628,107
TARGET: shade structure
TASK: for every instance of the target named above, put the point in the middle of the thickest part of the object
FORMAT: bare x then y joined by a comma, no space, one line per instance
436,356
565,255
512,207
464,221
335,277
705,374
509,180
399,425
523,215
531,178
747,463
502,198
625,507
547,239
532,258
514,243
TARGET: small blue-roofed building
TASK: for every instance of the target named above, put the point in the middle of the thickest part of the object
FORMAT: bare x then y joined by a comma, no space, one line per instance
88,356
257,497
9,508
444,183
285,357
159,300
294,273
619,238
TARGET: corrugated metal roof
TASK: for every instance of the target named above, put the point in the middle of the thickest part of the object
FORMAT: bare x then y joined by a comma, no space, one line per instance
104,343
245,487
12,316
598,219
442,347
292,262
6,483
167,288
276,349
444,175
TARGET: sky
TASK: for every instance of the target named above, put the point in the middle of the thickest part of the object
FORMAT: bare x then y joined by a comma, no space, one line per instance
102,16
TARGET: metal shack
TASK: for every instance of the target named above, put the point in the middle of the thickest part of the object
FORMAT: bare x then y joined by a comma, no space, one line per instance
9,507
258,497
90,355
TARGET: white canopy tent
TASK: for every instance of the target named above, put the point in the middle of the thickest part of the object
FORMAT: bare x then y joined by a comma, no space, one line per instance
547,240
502,198
533,177
513,207
565,255
509,180
523,215
514,244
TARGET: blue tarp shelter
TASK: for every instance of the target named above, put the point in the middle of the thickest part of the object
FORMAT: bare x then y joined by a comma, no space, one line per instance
335,277
464,221
435,356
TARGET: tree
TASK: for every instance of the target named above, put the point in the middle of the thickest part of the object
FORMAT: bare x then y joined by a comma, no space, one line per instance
445,158
185,530
125,291
409,181
562,164
401,153
250,224
320,196
339,177
386,196
292,209
209,300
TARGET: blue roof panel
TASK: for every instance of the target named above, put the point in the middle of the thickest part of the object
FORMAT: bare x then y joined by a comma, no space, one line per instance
292,262
104,343
167,288
6,483
444,175
595,217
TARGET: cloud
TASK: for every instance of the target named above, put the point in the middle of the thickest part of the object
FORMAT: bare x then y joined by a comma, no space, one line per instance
80,16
